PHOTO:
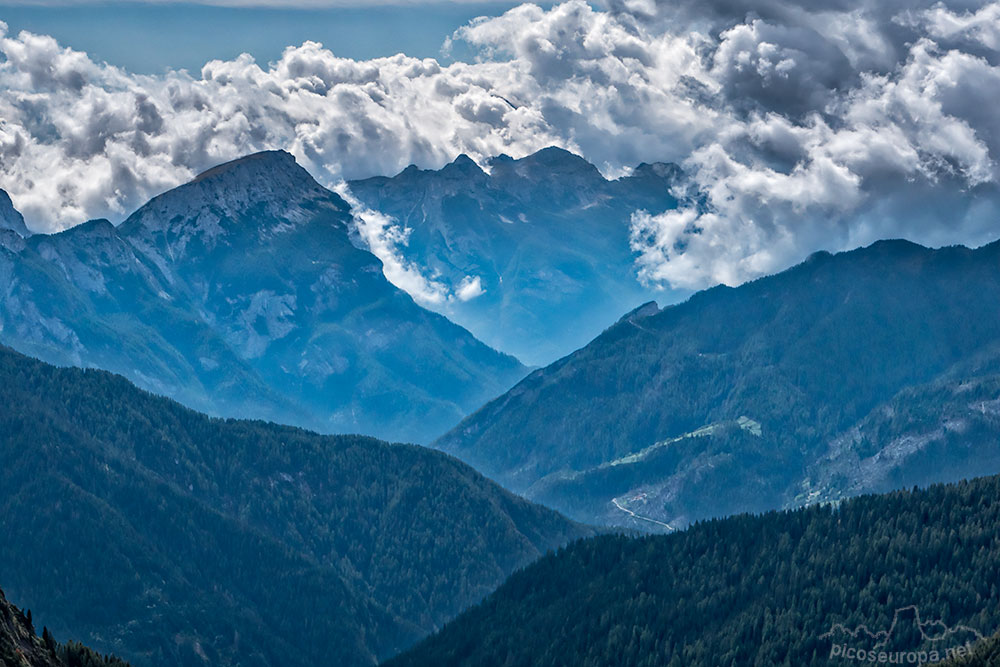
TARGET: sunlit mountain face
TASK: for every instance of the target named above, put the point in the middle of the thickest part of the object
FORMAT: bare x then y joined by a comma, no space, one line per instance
718,277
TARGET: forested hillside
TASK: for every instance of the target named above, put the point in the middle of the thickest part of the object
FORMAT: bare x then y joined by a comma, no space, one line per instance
764,591
20,646
859,372
985,654
147,529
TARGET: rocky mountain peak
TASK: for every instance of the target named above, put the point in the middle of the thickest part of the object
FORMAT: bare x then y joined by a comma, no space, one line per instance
266,193
657,170
557,161
647,309
256,179
264,166
98,227
463,167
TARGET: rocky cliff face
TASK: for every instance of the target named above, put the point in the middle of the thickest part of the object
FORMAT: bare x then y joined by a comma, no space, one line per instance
19,645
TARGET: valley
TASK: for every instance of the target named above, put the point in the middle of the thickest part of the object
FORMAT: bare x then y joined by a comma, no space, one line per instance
751,590
802,387
544,237
463,333
252,294
123,513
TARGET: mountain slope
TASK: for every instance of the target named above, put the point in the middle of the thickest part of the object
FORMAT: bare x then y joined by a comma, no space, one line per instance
985,654
752,591
21,647
242,294
772,394
544,238
85,297
170,538
11,219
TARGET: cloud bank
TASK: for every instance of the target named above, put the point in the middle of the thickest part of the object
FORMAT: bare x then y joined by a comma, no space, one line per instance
801,126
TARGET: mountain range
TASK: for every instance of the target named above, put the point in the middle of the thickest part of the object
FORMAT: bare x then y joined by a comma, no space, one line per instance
859,372
243,293
905,573
251,291
169,538
534,252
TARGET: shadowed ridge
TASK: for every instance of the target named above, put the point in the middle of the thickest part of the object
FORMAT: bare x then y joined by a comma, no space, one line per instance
10,218
167,533
20,645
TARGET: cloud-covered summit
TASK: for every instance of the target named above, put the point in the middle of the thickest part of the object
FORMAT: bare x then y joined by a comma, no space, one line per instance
801,126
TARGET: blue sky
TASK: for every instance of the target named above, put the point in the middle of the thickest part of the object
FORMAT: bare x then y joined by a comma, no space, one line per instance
146,38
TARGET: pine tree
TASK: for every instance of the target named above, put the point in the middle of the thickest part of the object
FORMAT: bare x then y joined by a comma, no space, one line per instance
48,639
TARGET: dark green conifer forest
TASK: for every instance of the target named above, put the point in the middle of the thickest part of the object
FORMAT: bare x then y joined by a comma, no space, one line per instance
758,591
152,531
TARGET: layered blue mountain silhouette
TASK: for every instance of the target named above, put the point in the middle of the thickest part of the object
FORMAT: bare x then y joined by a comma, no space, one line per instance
242,294
852,373
546,237
250,292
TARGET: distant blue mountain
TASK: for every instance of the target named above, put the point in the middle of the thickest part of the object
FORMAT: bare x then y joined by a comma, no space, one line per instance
547,236
241,294
853,373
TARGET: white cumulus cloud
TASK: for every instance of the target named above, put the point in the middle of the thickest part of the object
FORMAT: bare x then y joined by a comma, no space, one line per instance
800,126
469,288
386,239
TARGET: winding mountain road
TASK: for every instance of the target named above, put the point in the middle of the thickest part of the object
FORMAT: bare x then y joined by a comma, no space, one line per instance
644,518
